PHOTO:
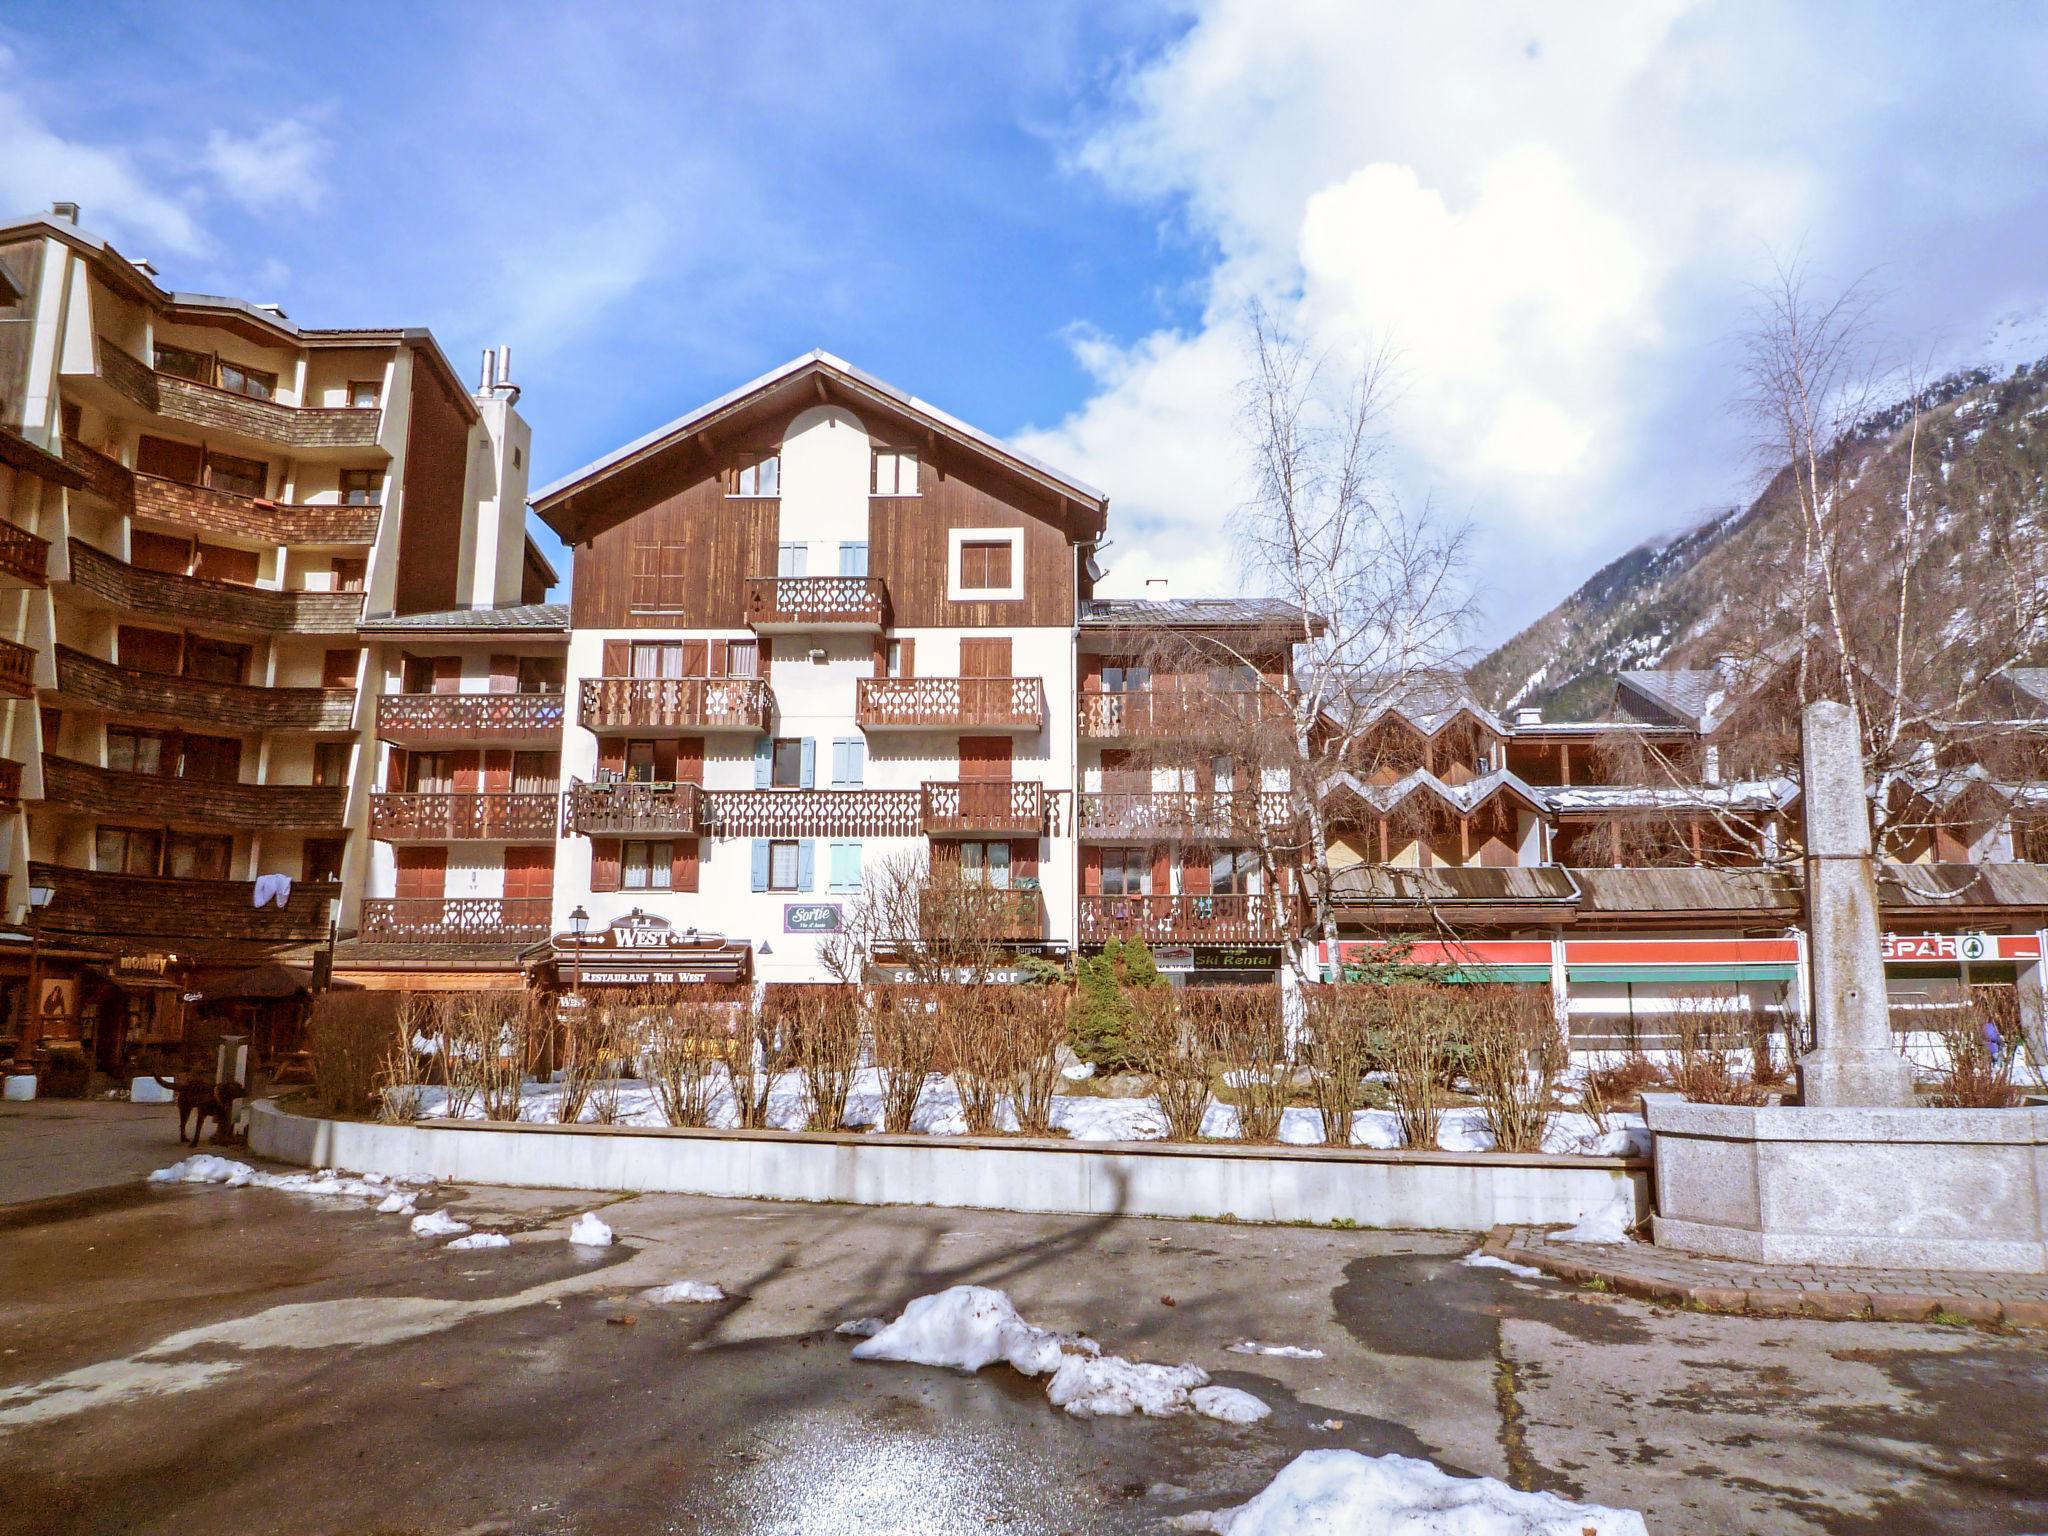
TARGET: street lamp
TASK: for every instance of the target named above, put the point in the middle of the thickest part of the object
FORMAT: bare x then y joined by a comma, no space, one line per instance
579,920
39,897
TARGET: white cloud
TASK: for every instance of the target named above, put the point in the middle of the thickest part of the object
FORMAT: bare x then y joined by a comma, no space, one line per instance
39,166
1552,214
278,167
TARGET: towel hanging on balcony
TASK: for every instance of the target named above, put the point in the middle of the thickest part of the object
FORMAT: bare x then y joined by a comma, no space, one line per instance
270,888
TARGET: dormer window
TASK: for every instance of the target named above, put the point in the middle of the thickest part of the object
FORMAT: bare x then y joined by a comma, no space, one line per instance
894,473
763,477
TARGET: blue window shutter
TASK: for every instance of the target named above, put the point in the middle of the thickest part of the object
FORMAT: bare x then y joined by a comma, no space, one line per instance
808,773
848,761
764,762
838,767
853,559
805,870
791,559
856,761
846,866
760,863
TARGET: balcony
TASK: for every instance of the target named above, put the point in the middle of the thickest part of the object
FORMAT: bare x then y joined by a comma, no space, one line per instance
1012,916
675,704
480,816
1219,816
24,558
950,703
133,589
856,604
87,682
810,813
470,719
160,907
163,799
105,476
223,412
622,808
1175,715
454,919
116,380
202,509
1182,919
17,669
982,808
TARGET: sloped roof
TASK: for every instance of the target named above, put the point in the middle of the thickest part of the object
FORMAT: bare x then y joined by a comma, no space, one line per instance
1743,795
538,618
1189,613
1386,885
1683,696
1464,798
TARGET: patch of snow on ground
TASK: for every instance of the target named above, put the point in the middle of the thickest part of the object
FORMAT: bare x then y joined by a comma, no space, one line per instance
480,1240
589,1232
1109,1386
1280,1351
438,1224
683,1290
395,1205
1332,1491
205,1168
861,1327
1228,1405
1606,1227
967,1327
1488,1261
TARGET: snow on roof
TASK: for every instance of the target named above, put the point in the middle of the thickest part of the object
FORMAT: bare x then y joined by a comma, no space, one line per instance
1187,612
1744,795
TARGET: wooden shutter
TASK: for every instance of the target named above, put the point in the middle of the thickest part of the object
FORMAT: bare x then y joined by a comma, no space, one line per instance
422,872
906,656
665,756
696,659
504,674
618,658
985,758
1091,673
1162,876
689,759
604,863
682,869
394,770
987,656
529,873
611,756
151,650
498,771
1195,873
1091,871
1024,859
220,563
468,762
447,674
338,668
159,552
881,656
172,461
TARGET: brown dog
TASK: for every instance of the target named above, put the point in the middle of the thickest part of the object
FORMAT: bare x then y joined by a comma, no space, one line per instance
205,1100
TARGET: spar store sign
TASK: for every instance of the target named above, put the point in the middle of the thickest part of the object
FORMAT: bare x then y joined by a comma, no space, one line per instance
1940,946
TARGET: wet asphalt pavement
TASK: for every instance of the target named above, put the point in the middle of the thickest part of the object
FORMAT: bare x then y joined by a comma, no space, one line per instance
204,1359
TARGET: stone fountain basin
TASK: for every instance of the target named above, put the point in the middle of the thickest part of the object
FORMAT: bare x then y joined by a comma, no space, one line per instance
1954,1189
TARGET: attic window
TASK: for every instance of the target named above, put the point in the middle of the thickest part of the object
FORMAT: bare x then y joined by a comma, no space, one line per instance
763,477
894,473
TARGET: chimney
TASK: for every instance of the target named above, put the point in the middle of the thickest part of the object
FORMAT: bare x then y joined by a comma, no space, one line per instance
487,379
1710,766
1528,715
68,212
1727,669
274,309
1155,588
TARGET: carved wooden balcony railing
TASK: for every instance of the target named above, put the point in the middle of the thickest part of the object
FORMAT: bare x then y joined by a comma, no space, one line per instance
155,696
817,602
811,813
267,421
206,510
629,808
1213,816
470,719
983,808
454,919
215,604
463,816
950,703
17,669
24,557
160,798
159,907
675,704
10,781
1171,714
1182,919
105,476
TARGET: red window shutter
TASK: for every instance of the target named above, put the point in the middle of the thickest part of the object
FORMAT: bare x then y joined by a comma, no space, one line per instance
984,758
665,756
682,869
1162,878
690,760
695,659
604,863
466,765
907,651
498,771
422,872
529,873
447,674
764,648
1091,673
1091,871
1024,859
881,657
611,756
720,660
618,658
338,669
504,674
394,770
1194,874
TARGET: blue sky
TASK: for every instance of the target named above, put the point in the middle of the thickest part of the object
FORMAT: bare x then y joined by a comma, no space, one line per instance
1046,217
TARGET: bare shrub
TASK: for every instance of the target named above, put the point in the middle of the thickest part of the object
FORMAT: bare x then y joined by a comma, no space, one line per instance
904,1029
401,1076
975,1031
823,1029
1980,1043
1039,1032
1710,1039
1516,1054
593,1036
350,1036
1763,1030
1248,1036
1174,1052
685,1046
1338,1049
755,1052
495,1039
1616,1083
1417,1026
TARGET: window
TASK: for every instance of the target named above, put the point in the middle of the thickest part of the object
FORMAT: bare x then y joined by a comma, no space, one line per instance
430,773
330,764
1123,678
792,560
1126,872
349,573
133,751
243,380
985,864
1240,677
1222,774
640,759
845,872
216,759
540,674
195,856
323,859
362,487
148,650
761,478
646,866
242,477
895,473
986,563
533,773
657,658
900,659
364,394
183,363
853,559
788,769
784,866
73,416
127,850
216,661
1234,873
742,659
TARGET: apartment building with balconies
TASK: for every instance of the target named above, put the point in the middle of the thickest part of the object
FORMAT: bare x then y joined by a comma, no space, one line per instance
817,625
205,501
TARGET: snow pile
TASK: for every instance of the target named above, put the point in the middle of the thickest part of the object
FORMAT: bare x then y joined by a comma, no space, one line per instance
1332,1491
205,1168
1607,1226
1488,1261
589,1232
683,1290
479,1240
971,1326
1279,1351
395,1204
861,1327
438,1224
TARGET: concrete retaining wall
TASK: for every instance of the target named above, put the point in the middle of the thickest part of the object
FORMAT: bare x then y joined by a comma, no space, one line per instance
1963,1189
1450,1191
